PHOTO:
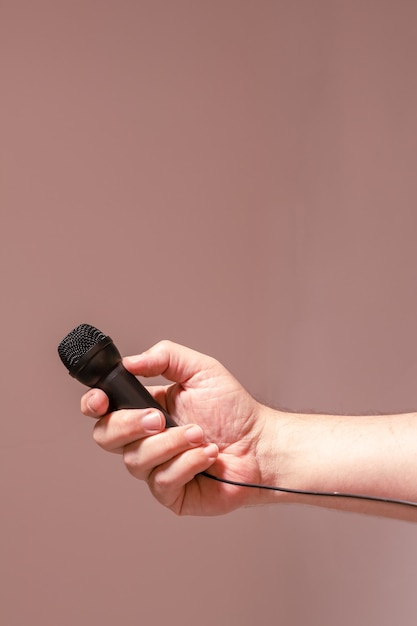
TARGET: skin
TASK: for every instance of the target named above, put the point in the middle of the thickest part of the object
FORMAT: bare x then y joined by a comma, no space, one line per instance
223,430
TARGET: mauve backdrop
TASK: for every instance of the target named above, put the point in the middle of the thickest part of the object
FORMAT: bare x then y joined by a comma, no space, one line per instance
238,176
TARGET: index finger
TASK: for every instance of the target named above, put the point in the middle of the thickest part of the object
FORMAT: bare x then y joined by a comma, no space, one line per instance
94,403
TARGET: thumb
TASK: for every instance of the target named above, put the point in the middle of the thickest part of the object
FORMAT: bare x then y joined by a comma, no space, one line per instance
171,360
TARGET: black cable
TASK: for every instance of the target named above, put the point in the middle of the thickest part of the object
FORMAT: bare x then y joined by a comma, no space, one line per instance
311,493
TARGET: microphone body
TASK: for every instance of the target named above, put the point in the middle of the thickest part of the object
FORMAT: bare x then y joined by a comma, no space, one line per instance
92,358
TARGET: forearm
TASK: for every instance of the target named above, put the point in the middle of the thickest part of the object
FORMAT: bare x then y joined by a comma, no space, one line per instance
369,455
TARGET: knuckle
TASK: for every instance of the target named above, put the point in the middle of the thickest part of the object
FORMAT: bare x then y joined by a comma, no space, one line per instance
160,482
132,470
165,491
167,445
125,423
98,434
164,343
131,467
164,346
131,459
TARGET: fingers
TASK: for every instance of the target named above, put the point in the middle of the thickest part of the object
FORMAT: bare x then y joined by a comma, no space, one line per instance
167,481
175,362
116,430
141,457
169,461
94,403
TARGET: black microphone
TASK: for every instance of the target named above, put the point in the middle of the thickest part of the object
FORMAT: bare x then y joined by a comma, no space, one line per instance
92,358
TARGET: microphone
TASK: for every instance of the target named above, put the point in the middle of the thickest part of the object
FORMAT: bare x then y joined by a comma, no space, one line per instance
92,358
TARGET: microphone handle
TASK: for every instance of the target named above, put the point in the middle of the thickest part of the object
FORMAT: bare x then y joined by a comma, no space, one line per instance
126,392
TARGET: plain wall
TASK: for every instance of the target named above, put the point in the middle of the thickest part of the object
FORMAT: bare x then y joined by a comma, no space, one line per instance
237,176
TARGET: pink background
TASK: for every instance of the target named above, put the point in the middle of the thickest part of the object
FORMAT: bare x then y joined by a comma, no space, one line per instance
238,176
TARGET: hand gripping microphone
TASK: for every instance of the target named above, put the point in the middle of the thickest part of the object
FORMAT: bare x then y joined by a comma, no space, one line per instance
92,358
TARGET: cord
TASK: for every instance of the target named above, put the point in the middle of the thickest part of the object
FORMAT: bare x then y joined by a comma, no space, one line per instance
311,493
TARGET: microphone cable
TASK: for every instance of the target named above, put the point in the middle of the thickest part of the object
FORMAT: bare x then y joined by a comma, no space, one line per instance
337,494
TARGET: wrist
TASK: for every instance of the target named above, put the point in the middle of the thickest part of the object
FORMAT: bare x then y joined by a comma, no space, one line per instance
318,453
305,452
368,455
277,457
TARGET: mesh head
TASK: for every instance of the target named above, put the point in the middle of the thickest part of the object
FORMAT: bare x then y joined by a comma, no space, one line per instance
77,343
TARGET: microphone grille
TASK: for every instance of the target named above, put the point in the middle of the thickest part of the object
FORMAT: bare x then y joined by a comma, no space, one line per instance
79,341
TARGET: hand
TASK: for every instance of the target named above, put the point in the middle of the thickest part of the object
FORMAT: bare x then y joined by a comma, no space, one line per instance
221,429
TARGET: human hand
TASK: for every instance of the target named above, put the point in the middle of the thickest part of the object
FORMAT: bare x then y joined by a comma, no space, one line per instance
221,428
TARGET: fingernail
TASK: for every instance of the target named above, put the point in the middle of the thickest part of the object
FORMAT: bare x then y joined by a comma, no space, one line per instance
212,451
152,422
91,400
194,434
